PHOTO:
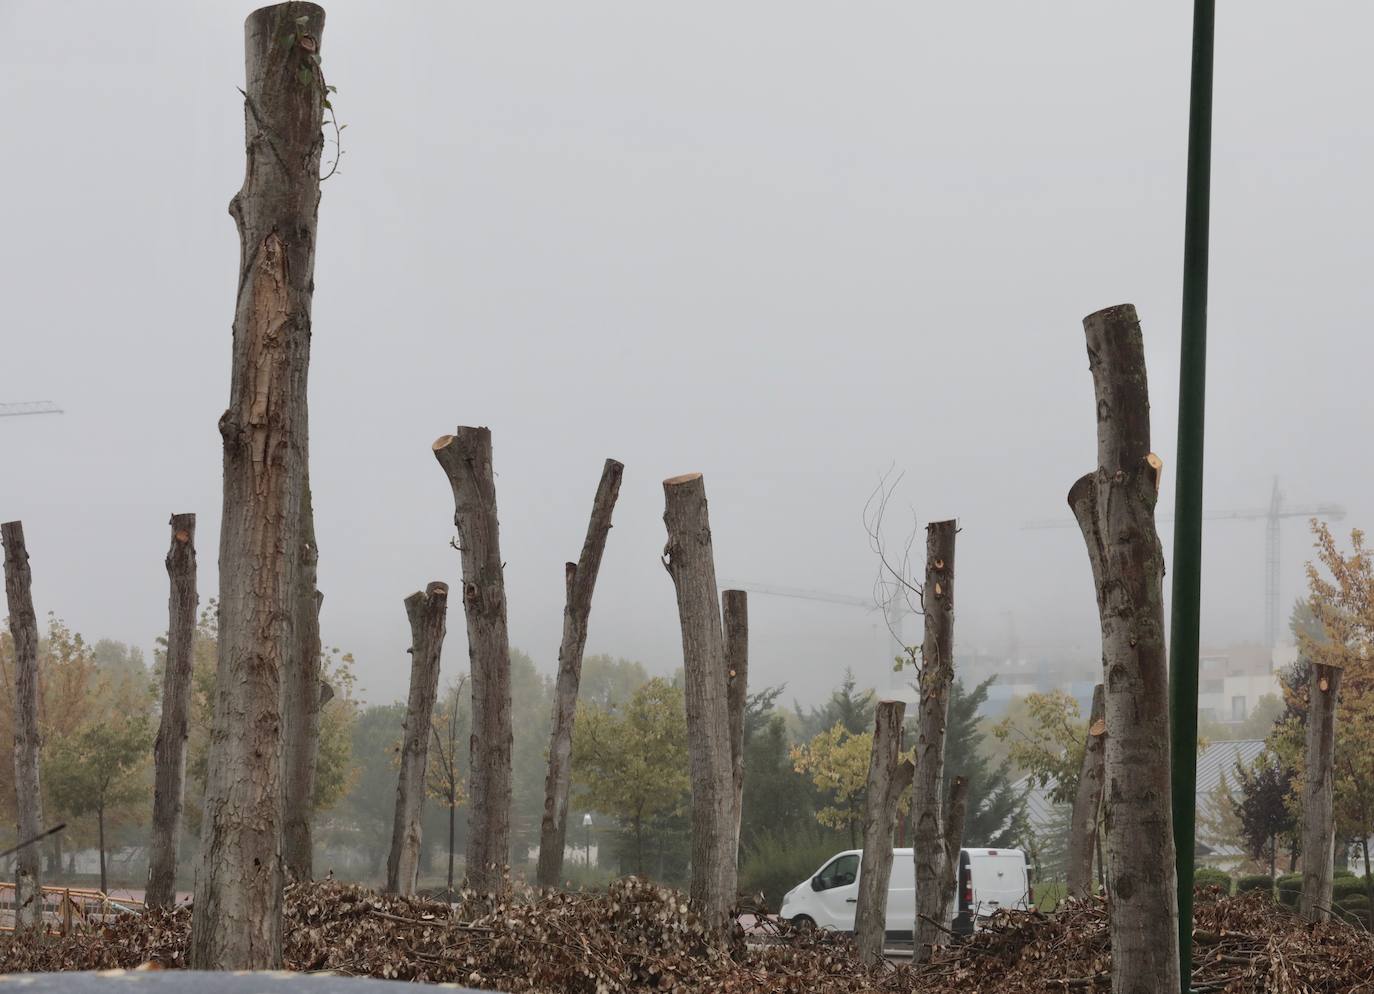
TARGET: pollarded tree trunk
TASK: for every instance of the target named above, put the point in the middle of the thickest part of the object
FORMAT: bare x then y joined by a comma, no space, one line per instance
169,751
690,561
28,794
236,922
303,699
937,676
466,459
1115,509
735,619
579,581
1087,802
1318,815
426,610
888,776
956,813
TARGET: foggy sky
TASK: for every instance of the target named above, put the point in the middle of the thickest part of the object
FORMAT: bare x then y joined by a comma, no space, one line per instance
788,245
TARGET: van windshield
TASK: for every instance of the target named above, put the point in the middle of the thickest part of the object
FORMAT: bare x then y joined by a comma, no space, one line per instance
842,871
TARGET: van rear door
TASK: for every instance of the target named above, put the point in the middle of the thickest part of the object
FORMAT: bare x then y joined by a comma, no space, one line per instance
1000,880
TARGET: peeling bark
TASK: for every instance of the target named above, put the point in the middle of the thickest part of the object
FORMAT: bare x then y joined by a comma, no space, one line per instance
932,860
28,794
1087,802
1318,812
304,699
236,923
690,561
888,776
169,751
466,460
579,581
426,610
735,619
1115,509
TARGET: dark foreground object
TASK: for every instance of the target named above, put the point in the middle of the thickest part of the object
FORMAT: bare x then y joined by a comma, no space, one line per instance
197,982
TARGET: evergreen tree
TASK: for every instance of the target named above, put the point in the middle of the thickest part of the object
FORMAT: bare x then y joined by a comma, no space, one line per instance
1263,808
777,799
996,811
845,707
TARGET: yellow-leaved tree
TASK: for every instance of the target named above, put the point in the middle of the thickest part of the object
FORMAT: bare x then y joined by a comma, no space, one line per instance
1337,629
836,761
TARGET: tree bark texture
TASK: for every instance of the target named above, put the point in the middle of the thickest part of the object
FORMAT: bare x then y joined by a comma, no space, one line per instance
28,794
1318,814
303,699
888,775
690,561
169,750
466,459
236,923
956,814
426,610
937,676
579,582
1115,510
1087,802
735,619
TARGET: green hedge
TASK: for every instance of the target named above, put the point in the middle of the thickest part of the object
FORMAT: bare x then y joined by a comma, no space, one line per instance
1254,881
1347,886
1354,909
1290,886
1206,876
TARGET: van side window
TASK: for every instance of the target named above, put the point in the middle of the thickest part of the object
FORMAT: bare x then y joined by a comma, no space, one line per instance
843,871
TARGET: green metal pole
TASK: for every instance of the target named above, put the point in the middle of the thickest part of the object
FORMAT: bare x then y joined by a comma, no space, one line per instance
1187,562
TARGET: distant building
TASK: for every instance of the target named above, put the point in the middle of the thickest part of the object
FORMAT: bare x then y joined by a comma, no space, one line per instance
1218,760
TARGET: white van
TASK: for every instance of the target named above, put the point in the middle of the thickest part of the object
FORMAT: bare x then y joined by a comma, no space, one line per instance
989,880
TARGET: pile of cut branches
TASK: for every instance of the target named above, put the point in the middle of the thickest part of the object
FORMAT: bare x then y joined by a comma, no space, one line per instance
639,937
1241,945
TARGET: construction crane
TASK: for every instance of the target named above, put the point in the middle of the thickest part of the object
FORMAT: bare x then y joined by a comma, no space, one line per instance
29,407
1272,516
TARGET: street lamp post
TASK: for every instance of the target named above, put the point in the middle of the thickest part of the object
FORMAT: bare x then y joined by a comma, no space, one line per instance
587,825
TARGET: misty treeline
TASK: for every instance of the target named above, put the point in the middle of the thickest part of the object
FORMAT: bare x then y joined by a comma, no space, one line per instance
805,767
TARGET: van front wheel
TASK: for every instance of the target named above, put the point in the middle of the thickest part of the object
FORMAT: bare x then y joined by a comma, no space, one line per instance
803,923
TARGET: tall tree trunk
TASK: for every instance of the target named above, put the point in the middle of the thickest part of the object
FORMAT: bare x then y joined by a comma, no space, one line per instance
1115,509
937,676
28,795
100,832
426,610
579,582
888,776
304,698
169,751
690,561
466,459
735,619
236,923
1318,816
1087,802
